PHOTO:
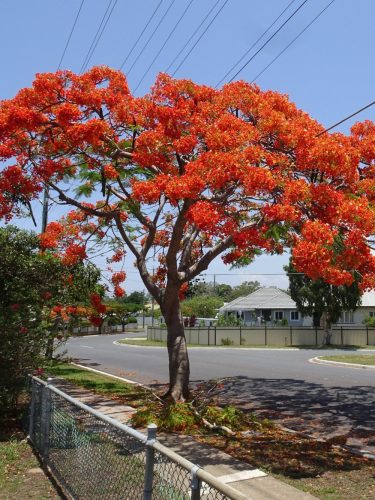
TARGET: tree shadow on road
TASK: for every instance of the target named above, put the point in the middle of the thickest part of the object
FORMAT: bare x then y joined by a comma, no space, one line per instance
344,414
323,417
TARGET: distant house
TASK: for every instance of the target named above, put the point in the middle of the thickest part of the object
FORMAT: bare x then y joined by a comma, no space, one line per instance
274,306
365,310
270,305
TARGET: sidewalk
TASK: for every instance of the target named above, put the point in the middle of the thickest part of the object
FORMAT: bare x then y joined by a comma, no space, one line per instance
255,484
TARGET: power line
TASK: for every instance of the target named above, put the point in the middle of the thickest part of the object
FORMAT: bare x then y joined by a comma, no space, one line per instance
269,39
255,43
70,35
140,36
46,198
294,39
95,36
98,35
150,37
164,44
222,274
347,118
192,36
196,43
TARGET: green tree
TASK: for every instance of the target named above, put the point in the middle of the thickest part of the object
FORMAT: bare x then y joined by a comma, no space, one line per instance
322,301
198,287
30,283
243,289
226,292
118,312
203,306
134,298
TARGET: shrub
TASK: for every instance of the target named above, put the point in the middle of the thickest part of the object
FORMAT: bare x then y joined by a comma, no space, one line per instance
227,341
31,283
230,320
168,417
370,321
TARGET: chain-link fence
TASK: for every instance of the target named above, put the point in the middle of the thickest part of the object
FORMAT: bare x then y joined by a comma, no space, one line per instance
92,456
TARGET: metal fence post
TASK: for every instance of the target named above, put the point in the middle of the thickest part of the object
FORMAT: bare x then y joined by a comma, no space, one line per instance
265,333
32,410
150,460
196,484
46,419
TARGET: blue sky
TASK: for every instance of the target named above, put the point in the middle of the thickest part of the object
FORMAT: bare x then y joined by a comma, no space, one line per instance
328,72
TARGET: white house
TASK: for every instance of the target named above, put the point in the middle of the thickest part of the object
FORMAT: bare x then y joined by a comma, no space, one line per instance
365,310
265,304
275,306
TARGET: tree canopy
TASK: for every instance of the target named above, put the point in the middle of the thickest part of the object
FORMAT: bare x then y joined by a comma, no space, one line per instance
37,295
202,306
316,298
222,290
184,174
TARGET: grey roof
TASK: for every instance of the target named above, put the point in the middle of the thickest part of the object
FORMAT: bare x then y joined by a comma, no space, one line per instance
263,298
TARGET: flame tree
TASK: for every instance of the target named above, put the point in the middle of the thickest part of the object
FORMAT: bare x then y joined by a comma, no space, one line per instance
185,174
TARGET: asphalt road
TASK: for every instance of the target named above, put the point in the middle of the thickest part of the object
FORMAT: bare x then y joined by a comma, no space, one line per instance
150,364
282,384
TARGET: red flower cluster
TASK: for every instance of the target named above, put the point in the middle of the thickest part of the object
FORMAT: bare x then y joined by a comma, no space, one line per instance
236,170
96,302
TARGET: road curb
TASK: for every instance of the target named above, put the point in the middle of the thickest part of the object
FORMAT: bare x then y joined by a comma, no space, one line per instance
319,361
109,375
116,342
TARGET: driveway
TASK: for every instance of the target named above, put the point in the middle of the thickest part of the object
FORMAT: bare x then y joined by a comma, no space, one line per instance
327,401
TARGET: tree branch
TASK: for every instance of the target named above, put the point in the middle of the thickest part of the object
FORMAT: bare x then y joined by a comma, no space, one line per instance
70,201
175,242
205,261
140,261
186,248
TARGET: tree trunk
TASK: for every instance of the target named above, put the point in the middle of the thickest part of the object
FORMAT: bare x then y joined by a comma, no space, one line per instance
327,323
49,348
179,368
316,319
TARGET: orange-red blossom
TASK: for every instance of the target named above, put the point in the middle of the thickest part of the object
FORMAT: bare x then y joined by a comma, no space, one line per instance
238,169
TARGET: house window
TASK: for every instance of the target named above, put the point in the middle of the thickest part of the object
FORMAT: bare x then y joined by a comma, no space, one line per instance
279,315
294,315
347,317
372,314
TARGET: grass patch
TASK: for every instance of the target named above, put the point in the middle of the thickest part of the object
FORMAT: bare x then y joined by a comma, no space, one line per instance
360,359
143,342
100,384
20,473
163,343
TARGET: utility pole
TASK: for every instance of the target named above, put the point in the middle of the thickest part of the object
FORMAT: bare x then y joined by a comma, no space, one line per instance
143,310
152,310
45,209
